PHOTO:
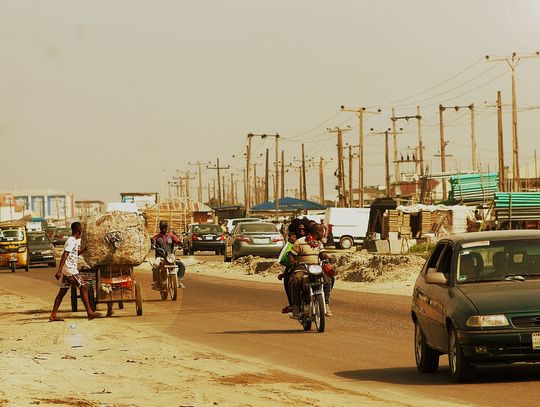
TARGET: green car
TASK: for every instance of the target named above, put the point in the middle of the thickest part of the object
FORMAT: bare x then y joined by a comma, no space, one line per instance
477,299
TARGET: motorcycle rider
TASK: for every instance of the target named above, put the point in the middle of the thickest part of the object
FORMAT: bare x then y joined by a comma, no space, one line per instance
308,250
166,241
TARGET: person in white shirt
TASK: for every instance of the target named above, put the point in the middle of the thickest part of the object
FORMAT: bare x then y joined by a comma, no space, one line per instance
69,274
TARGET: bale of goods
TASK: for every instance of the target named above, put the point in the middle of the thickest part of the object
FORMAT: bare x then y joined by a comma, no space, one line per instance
115,238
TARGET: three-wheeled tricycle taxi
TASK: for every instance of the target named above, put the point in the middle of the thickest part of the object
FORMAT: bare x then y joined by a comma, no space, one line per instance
14,246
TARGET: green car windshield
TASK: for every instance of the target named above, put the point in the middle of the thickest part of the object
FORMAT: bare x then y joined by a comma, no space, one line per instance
498,260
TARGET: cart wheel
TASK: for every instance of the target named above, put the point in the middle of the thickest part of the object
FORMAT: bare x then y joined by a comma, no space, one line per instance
73,299
13,267
109,309
120,304
92,297
138,299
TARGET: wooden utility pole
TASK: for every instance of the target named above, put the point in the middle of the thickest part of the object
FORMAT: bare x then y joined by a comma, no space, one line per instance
304,188
394,134
341,168
266,178
512,61
218,168
199,174
255,186
360,112
386,158
443,149
321,180
247,198
350,177
418,117
535,166
500,142
475,165
232,189
282,174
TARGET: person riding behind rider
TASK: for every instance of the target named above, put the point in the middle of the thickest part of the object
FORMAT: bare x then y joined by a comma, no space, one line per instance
296,230
166,240
308,250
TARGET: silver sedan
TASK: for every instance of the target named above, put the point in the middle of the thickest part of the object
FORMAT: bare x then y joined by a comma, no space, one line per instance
254,238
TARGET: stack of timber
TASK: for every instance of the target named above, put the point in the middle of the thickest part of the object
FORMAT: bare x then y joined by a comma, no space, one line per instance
517,205
424,225
177,212
396,224
473,188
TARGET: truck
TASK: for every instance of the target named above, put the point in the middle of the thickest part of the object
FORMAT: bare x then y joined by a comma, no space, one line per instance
346,226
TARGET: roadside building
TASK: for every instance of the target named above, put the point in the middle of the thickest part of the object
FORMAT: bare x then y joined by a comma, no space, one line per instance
9,210
45,203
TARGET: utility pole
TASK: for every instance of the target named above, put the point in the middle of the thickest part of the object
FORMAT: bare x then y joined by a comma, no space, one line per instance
321,180
386,158
186,177
218,168
502,175
350,177
475,166
199,174
247,198
282,174
266,179
443,148
513,61
304,189
276,138
360,113
394,134
418,117
341,169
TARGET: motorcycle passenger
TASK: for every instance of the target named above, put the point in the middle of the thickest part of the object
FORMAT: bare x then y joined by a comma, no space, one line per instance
308,250
295,231
166,241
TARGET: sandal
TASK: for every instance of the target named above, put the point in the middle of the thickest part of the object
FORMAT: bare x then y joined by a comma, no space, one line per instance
55,319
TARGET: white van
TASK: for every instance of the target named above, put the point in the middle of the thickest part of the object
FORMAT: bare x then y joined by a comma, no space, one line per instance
347,226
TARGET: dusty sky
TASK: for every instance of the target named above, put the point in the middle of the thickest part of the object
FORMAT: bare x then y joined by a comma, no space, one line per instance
99,97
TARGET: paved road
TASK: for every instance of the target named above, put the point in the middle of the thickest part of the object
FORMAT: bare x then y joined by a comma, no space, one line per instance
369,340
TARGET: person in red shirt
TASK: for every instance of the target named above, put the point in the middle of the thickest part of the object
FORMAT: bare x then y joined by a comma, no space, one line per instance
167,241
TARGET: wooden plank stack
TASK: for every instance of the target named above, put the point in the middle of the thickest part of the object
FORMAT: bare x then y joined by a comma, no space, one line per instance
177,213
396,224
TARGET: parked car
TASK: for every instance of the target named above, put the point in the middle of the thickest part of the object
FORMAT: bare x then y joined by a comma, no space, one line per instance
231,223
204,237
253,238
60,236
347,226
476,299
41,249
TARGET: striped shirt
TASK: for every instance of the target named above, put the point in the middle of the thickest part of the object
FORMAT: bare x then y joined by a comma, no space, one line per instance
305,253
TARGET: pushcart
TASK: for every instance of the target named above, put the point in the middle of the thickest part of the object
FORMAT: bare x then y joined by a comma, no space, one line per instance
112,284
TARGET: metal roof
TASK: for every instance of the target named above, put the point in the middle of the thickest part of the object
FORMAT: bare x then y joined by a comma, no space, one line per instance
493,235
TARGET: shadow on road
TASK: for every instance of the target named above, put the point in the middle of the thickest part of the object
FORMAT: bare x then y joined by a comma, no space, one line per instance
411,376
260,332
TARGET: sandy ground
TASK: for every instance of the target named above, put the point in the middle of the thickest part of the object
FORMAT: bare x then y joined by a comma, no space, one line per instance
401,287
116,362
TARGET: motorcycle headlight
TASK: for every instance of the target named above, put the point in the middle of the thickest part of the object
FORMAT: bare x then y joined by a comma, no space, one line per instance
171,258
315,269
484,321
157,261
21,249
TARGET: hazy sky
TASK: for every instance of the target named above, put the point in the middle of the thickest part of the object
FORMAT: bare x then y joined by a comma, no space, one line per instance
99,97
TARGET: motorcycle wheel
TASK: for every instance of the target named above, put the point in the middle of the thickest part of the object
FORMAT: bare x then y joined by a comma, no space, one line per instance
172,286
318,313
12,266
138,299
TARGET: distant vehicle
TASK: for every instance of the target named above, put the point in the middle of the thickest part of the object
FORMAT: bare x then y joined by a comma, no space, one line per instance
347,226
41,249
476,299
60,236
231,223
34,226
253,238
14,246
204,237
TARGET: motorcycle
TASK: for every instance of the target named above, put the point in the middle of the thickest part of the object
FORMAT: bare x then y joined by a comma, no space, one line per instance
313,304
167,269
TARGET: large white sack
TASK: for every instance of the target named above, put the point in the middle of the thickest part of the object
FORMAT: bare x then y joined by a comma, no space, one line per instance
115,238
